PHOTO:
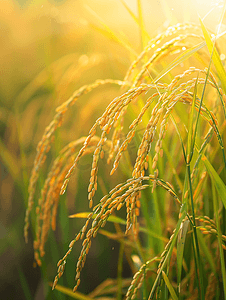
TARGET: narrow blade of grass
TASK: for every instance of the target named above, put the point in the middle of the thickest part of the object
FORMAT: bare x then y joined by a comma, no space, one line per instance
143,37
69,292
219,184
215,57
191,138
168,255
113,219
181,58
206,251
200,105
169,285
178,132
180,250
198,261
219,238
109,33
136,19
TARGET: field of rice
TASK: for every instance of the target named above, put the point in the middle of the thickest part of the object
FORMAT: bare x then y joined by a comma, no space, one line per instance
112,149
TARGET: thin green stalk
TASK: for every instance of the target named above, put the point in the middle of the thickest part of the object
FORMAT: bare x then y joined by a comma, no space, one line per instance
66,291
180,251
214,56
191,142
188,158
196,269
198,265
206,249
220,140
168,255
166,288
144,290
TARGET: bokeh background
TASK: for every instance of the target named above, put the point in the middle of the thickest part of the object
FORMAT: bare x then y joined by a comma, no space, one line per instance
48,50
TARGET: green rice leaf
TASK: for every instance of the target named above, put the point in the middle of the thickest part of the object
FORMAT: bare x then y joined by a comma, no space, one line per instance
169,285
168,255
180,249
219,184
215,57
191,141
180,137
219,237
181,58
69,292
206,251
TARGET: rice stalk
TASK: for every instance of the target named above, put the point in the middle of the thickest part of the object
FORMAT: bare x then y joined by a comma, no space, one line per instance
179,102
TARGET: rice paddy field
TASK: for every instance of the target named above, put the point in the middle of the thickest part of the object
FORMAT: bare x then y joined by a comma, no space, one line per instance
112,149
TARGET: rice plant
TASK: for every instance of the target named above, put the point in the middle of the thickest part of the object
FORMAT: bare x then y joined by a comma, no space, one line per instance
165,133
